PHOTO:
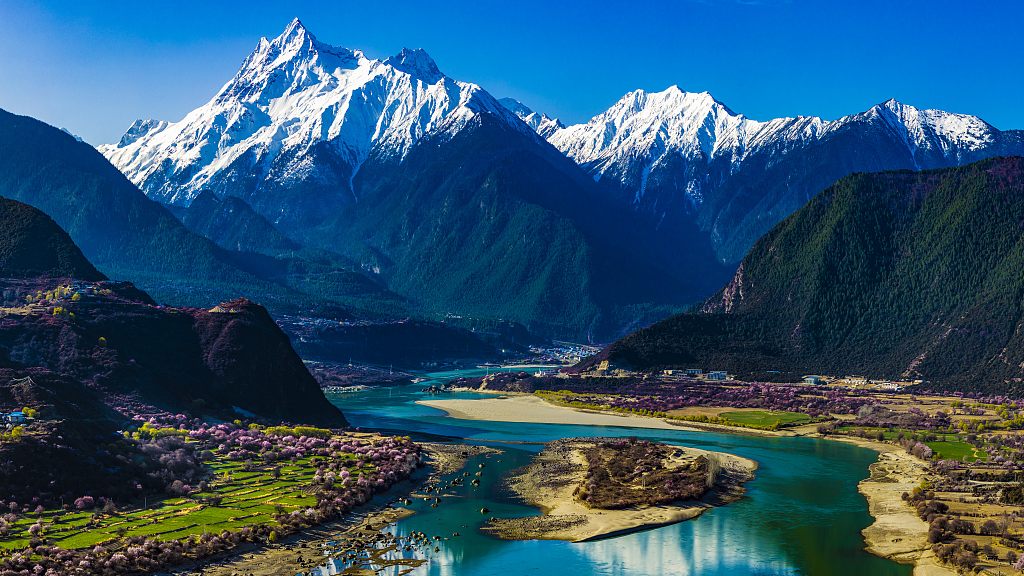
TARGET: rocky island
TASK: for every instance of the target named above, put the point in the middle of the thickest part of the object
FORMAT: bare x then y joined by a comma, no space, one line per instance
593,488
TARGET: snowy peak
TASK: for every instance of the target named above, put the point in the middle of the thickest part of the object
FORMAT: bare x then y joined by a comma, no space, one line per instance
644,129
933,131
140,128
301,114
292,61
644,126
542,124
416,63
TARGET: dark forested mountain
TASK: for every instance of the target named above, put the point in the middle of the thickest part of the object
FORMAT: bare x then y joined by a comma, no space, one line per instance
490,223
894,275
129,236
124,233
32,244
61,316
233,224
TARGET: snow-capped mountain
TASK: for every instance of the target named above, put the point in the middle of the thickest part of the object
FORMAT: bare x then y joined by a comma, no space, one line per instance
445,195
299,114
679,155
471,206
647,126
541,123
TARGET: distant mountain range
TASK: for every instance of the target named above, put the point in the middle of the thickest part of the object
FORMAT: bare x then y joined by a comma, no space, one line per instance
686,159
471,206
428,183
902,275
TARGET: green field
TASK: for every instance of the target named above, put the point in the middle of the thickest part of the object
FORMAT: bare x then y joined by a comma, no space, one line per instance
953,448
957,451
248,498
762,418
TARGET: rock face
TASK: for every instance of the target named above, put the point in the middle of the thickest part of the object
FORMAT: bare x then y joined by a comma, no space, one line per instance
902,275
32,244
253,364
133,353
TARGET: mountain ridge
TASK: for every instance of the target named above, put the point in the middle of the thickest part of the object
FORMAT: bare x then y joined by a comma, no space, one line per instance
687,158
296,101
897,275
319,141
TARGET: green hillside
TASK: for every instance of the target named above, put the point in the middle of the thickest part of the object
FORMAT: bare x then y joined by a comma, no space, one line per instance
128,236
893,275
31,244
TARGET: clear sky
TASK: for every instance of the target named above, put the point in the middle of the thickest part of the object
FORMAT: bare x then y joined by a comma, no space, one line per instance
95,66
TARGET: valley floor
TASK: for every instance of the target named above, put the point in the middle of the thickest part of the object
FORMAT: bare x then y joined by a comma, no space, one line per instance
897,532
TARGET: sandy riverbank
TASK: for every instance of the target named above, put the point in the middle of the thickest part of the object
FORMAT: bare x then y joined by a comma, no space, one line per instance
550,481
897,533
531,409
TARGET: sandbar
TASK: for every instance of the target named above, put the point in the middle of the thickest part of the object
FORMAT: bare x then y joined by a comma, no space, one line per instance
534,410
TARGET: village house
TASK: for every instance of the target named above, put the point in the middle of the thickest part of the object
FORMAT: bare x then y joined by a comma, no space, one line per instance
15,417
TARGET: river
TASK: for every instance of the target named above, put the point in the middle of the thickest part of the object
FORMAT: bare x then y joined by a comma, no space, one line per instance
801,515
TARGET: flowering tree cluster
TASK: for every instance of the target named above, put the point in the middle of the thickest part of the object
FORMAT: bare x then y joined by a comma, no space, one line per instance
349,470
625,473
912,419
140,554
772,397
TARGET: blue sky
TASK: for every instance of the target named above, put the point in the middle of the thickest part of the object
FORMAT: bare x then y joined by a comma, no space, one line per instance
94,67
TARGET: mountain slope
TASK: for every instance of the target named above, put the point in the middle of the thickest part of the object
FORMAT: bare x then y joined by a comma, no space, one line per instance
234,225
893,275
428,183
686,159
62,316
130,236
493,225
116,226
32,244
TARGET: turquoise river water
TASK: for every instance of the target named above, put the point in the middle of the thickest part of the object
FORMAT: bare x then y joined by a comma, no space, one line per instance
801,515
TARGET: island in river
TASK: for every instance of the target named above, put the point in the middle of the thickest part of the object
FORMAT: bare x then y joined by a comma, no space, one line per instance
592,488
